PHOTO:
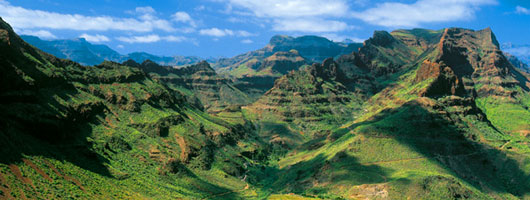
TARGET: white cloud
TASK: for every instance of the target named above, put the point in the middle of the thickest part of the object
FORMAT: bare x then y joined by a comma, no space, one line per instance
120,46
172,38
309,25
216,32
295,15
392,14
247,41
522,10
95,38
341,38
518,50
140,39
23,18
244,34
294,8
40,33
145,10
151,38
183,17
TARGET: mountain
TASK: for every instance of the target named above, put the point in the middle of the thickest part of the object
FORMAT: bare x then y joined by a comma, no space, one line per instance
109,132
79,50
523,66
311,48
522,52
255,71
413,114
434,115
200,82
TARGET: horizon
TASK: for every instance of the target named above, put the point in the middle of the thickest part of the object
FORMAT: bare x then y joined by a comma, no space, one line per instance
226,28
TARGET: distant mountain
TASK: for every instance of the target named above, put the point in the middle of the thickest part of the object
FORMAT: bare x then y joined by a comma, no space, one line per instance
78,50
517,63
65,120
256,71
413,114
522,52
311,48
86,53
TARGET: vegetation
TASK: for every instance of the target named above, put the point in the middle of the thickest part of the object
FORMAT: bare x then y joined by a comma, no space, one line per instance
415,114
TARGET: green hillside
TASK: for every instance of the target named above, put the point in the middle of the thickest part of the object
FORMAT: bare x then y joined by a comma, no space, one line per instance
414,114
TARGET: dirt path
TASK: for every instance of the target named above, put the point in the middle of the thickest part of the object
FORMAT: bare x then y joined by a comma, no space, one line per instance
66,177
502,147
42,173
4,187
182,144
18,174
16,171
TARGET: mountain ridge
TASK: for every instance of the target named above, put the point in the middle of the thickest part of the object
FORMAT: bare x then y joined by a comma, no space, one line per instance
413,114
84,52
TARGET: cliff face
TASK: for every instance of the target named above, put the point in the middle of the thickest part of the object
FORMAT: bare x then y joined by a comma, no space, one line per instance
439,98
414,114
471,61
281,55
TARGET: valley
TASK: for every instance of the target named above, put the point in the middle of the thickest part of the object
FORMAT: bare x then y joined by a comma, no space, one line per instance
408,114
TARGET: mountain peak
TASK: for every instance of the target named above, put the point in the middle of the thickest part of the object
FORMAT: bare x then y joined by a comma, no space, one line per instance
381,38
279,39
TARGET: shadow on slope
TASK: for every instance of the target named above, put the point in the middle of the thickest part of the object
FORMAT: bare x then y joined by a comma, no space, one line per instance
35,128
439,138
310,177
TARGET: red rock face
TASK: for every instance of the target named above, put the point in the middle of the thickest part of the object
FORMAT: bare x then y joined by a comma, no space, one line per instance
467,58
283,62
445,81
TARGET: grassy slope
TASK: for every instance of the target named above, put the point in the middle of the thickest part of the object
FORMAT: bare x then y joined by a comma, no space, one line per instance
110,132
401,147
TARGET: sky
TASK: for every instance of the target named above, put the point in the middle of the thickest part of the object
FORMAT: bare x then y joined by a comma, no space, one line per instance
225,28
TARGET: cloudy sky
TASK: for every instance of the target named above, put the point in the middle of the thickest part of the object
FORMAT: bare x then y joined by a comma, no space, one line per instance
229,27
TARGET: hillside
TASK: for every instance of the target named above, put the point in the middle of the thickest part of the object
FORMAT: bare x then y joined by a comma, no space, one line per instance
438,123
108,132
254,72
411,114
199,82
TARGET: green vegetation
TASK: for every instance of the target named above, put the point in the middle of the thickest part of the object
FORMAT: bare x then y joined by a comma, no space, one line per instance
404,118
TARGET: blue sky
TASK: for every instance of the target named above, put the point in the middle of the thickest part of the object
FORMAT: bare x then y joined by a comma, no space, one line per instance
230,27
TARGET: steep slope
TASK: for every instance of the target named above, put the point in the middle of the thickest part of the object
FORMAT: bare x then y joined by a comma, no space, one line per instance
109,132
199,82
256,71
517,63
83,52
314,99
447,120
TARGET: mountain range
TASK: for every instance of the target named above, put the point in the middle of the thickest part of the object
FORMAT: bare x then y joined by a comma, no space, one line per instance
86,53
408,114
